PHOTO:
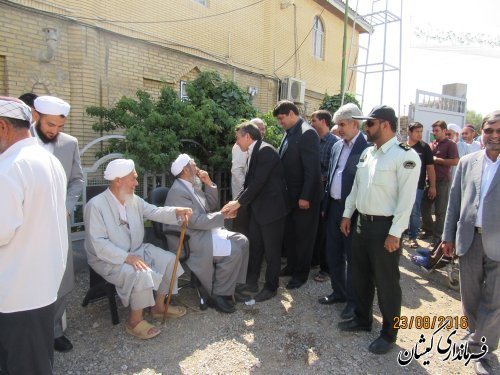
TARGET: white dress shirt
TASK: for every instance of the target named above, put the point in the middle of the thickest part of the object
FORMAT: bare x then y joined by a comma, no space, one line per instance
489,170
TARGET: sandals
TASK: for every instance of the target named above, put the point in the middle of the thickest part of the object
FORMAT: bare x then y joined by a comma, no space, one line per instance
173,312
321,277
414,244
141,330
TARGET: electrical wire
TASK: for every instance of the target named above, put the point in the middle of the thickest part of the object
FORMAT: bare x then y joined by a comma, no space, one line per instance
298,48
172,21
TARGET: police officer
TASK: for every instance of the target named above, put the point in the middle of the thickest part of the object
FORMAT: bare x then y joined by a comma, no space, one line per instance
383,193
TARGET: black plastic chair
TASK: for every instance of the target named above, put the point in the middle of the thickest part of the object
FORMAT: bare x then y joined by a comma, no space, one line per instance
99,288
157,197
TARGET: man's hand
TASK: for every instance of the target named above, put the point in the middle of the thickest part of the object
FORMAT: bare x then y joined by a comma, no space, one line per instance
391,243
431,192
204,177
183,214
136,262
345,226
231,206
303,204
448,248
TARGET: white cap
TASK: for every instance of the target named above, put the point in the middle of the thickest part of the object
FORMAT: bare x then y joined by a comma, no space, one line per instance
118,168
454,127
179,163
50,105
14,108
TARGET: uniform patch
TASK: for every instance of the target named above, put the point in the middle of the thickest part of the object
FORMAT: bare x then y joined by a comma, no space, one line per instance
405,146
409,164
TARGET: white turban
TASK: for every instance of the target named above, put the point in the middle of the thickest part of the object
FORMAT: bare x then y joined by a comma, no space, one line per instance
50,105
13,108
455,128
179,163
118,168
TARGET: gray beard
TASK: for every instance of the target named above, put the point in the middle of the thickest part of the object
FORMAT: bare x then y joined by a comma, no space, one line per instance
197,184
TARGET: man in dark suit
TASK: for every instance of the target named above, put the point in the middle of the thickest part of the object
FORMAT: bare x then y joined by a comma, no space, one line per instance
343,161
299,153
264,193
471,231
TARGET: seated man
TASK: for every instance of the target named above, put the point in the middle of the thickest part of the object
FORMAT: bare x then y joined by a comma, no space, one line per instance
114,223
209,243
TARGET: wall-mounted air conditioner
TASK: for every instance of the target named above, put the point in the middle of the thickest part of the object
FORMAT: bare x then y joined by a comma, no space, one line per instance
293,89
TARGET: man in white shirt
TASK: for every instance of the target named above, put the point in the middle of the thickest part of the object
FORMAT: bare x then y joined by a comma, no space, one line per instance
33,244
471,231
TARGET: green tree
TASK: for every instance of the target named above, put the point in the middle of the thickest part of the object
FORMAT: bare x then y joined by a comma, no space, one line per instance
274,132
332,103
474,118
157,131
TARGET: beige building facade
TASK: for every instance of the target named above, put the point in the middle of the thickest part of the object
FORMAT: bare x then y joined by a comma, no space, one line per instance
94,52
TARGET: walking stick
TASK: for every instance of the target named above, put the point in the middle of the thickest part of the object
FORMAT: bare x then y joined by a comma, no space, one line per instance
174,273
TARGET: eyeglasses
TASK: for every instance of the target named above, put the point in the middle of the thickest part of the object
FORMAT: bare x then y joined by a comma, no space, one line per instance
448,134
490,131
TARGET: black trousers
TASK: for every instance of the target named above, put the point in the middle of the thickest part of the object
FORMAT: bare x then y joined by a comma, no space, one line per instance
338,252
27,342
266,242
300,234
374,267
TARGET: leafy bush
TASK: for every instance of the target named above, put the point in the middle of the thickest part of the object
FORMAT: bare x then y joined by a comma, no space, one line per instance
332,103
157,131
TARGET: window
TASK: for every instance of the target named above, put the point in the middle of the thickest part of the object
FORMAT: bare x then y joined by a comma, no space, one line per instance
318,38
202,2
182,91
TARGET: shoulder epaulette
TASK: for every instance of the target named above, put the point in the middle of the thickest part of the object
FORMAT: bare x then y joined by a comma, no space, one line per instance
405,146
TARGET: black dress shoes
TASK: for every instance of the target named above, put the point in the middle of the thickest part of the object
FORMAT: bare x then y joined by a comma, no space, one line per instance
220,304
348,312
264,295
380,346
62,344
248,287
285,272
331,299
295,284
239,296
353,326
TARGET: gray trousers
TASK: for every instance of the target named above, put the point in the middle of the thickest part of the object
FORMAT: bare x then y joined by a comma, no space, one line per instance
480,292
232,269
440,204
59,308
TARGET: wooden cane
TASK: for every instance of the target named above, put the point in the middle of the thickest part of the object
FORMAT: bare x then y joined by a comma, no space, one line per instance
174,273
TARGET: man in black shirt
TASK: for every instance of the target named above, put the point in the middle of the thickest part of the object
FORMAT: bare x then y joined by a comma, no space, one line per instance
423,150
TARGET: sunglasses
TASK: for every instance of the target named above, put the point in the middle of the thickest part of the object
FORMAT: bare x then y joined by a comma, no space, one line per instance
370,123
490,131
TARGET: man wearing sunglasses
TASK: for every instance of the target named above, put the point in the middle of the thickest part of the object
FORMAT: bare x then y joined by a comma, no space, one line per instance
471,232
383,193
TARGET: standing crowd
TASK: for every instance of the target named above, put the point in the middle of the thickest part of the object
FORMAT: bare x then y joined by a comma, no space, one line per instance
339,201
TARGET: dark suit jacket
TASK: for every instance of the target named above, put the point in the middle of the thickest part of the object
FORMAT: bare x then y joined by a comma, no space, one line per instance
264,189
301,164
349,171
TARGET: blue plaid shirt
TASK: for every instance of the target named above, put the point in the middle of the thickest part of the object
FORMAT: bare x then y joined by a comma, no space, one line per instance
325,147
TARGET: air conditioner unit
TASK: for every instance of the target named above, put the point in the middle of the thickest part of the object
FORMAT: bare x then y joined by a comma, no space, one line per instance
293,89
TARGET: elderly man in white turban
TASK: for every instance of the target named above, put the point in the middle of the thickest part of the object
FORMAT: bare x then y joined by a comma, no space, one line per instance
114,223
219,258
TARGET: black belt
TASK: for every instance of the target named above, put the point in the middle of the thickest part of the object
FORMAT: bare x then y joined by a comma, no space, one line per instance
478,230
375,217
